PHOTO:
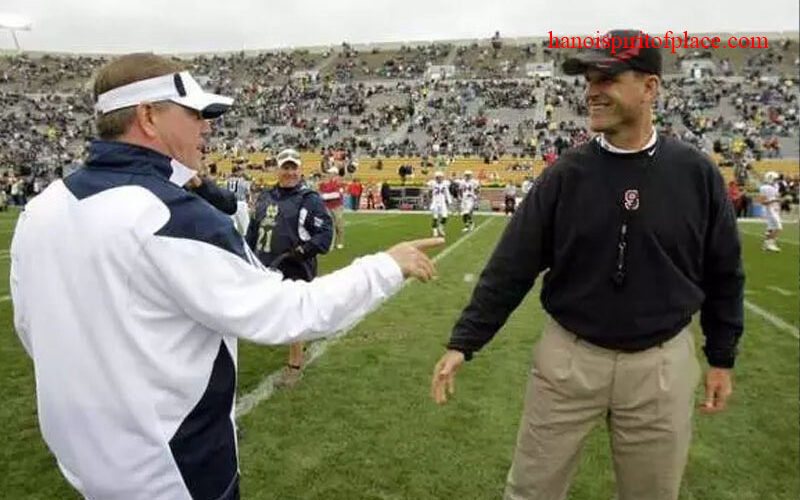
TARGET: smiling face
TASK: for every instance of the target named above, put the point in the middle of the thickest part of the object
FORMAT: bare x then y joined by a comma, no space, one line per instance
289,174
620,102
181,132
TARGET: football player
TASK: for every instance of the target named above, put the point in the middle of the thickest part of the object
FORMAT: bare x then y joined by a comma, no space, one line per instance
440,199
239,185
770,198
470,188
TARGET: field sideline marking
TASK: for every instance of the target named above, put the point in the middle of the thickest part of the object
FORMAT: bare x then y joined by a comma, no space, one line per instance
266,388
771,318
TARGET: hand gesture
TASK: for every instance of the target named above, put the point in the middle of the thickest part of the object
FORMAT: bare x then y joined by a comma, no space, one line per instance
412,260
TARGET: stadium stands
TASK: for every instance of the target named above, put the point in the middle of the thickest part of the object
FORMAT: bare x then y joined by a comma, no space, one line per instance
374,105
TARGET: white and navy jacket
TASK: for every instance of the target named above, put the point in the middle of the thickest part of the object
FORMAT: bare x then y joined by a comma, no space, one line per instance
129,293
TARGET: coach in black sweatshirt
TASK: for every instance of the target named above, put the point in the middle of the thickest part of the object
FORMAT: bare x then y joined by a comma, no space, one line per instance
636,234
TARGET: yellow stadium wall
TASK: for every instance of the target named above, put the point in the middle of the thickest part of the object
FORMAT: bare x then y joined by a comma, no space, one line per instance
787,166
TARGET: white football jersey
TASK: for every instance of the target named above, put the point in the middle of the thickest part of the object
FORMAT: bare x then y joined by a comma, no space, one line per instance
240,187
469,188
440,192
770,192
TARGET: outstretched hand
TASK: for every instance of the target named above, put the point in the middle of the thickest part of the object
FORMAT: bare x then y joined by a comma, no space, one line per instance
412,260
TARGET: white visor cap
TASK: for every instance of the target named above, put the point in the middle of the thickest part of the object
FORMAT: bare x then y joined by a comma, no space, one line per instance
179,88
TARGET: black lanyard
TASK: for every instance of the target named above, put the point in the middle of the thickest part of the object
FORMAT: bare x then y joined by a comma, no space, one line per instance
629,205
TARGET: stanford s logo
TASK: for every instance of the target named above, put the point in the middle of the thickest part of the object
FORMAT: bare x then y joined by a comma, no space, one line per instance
629,52
631,200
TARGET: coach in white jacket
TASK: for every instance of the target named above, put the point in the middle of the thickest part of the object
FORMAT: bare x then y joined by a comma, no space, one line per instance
129,294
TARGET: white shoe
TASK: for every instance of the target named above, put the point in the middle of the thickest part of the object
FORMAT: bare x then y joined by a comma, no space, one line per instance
773,248
435,233
465,229
339,246
441,232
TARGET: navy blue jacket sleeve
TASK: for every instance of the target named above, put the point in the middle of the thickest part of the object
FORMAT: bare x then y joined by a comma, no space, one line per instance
219,197
318,224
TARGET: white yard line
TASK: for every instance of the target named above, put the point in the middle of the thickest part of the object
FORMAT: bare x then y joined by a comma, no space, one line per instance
781,291
266,388
771,318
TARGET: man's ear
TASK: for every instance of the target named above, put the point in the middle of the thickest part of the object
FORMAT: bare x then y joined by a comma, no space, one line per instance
652,87
146,118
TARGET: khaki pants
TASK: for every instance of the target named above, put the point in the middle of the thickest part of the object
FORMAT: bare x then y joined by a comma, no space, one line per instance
646,399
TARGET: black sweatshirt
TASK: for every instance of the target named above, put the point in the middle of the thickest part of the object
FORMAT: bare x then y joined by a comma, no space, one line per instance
682,253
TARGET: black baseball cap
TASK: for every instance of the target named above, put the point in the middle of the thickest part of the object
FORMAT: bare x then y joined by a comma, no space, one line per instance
631,51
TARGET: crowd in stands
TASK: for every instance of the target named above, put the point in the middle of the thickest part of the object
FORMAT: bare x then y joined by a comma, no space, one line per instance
378,103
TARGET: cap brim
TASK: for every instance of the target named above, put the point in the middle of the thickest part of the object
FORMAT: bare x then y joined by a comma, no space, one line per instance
193,96
593,59
209,105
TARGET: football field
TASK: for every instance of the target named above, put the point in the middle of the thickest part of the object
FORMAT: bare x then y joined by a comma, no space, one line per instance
361,424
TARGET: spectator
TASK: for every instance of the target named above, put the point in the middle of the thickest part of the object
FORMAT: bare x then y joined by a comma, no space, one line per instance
355,189
386,195
734,195
510,194
331,191
371,197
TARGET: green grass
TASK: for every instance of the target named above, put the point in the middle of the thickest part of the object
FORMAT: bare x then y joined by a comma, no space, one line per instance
361,425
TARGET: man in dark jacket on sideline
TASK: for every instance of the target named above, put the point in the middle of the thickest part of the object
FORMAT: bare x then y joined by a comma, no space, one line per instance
290,228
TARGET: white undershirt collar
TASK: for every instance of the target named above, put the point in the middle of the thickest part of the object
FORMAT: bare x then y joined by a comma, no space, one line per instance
601,140
180,173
